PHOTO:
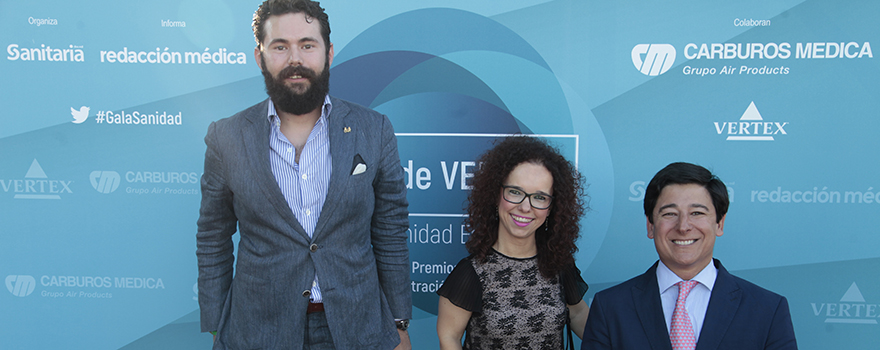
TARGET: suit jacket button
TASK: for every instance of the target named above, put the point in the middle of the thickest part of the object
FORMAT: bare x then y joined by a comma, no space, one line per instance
307,293
313,248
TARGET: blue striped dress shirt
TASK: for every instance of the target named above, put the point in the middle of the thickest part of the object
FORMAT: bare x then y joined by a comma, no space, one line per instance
303,184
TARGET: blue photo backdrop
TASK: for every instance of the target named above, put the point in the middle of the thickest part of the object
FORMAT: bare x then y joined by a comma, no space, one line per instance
106,104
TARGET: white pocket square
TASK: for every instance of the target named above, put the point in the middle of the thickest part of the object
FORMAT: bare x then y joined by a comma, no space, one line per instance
360,168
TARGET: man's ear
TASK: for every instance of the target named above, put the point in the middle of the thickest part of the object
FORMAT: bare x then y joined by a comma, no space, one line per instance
257,55
650,227
330,56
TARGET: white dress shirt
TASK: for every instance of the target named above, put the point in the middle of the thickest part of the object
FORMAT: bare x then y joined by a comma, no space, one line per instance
697,300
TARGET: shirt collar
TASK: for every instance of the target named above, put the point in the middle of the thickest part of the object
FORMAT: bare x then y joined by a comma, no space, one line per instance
272,114
666,278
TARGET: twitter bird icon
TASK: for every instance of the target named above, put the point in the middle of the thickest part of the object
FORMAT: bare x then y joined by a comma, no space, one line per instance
79,116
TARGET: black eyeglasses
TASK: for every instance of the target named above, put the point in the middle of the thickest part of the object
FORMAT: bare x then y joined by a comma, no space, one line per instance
516,195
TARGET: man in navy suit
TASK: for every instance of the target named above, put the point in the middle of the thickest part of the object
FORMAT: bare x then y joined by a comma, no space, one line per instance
685,206
315,189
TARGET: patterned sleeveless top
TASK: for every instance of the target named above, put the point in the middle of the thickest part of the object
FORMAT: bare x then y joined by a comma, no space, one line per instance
513,306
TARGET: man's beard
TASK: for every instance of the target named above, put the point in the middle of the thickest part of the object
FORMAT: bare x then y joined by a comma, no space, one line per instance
286,99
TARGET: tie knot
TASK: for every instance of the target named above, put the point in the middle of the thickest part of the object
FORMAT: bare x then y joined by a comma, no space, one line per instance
684,288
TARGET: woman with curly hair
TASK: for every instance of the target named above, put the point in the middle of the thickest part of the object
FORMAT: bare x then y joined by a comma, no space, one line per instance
519,287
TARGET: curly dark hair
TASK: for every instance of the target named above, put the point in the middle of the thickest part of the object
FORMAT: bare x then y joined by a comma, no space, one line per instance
269,8
556,238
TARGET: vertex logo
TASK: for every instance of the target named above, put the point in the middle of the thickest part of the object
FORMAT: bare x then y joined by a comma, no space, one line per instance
658,58
852,308
104,181
36,185
751,127
20,285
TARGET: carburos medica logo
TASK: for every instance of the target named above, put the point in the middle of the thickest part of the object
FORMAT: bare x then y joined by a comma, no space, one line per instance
658,58
852,308
36,185
104,181
20,285
751,127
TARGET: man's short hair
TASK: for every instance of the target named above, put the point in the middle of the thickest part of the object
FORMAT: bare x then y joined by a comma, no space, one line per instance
684,174
269,8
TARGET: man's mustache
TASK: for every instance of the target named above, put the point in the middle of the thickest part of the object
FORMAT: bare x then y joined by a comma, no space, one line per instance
297,70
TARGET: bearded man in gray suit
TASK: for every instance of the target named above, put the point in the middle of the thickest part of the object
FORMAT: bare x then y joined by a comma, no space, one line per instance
315,186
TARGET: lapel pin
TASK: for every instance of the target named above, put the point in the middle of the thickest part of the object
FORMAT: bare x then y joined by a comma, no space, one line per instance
347,129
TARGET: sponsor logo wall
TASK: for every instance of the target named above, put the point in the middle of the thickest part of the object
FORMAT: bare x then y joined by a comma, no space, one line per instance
106,105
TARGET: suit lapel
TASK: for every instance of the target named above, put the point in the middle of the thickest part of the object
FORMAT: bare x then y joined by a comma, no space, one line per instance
646,299
256,141
723,304
343,138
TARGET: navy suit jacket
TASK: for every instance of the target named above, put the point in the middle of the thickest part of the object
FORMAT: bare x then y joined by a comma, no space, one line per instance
358,249
740,316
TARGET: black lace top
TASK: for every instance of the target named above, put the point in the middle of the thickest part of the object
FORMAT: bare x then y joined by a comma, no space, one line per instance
513,306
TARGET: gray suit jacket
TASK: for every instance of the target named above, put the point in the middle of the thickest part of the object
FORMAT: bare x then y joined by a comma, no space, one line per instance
740,316
358,249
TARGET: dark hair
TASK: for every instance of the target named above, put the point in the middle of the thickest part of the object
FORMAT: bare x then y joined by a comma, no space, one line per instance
556,238
279,7
683,174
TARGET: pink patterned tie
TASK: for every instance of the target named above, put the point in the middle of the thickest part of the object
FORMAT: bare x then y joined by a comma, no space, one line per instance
682,333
